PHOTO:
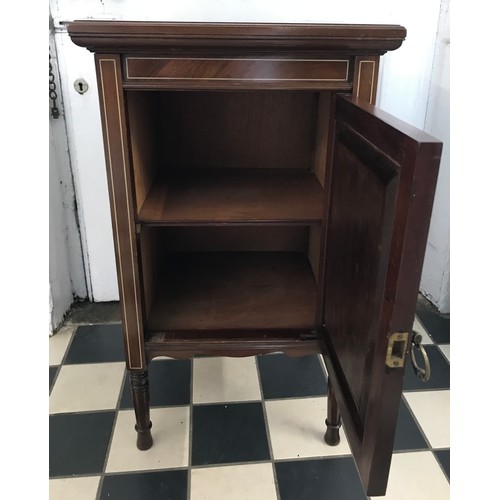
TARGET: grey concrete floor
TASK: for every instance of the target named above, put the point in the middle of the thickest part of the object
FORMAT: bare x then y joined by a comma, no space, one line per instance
86,312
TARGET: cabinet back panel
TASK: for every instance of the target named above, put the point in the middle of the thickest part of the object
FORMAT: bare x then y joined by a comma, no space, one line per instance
239,129
233,239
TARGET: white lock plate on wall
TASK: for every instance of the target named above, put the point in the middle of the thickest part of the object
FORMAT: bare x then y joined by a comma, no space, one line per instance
81,86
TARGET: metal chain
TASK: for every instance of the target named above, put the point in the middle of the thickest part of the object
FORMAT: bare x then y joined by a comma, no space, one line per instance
52,91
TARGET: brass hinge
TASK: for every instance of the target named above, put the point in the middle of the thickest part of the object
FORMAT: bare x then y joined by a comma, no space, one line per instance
396,350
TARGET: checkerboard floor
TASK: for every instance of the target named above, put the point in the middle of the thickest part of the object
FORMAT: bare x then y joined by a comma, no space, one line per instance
229,428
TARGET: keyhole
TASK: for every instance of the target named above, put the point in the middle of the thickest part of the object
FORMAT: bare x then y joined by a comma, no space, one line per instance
81,86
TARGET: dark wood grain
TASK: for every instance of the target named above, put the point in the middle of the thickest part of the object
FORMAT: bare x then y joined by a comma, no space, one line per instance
139,383
149,251
323,136
155,242
360,228
298,219
238,85
225,196
123,36
184,344
234,290
258,69
377,228
242,72
122,204
332,434
365,78
144,120
238,129
233,238
326,147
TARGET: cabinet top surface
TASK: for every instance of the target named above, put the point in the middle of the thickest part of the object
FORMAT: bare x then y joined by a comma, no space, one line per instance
121,36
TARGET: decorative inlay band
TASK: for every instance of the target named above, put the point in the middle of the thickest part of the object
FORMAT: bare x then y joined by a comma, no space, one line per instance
124,298
236,69
372,78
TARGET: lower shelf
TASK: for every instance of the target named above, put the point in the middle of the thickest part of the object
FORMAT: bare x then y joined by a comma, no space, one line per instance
234,291
184,345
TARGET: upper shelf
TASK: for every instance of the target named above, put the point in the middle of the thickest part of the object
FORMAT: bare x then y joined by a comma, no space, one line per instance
231,196
130,36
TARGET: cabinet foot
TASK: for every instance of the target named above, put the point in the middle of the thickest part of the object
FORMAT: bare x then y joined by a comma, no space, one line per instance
144,438
332,435
140,393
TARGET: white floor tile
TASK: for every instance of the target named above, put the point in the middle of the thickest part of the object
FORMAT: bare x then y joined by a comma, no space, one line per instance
445,349
418,327
297,428
92,386
79,488
58,344
244,482
432,410
218,380
170,441
416,476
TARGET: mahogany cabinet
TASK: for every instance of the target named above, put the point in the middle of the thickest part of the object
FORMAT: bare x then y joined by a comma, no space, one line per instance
261,203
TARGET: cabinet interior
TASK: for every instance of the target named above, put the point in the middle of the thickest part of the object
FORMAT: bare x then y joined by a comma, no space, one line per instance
229,192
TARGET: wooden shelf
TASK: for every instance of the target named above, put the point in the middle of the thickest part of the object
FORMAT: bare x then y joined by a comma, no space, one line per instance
234,290
182,345
225,196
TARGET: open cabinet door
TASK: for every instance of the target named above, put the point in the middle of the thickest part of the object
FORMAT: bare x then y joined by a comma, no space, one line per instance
382,182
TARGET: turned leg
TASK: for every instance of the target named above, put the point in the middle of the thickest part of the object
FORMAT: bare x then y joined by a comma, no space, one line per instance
332,436
140,393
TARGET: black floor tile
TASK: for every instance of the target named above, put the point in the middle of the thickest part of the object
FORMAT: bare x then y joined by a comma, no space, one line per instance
286,377
52,376
436,324
78,442
326,479
169,384
440,372
408,435
444,458
228,433
161,485
96,344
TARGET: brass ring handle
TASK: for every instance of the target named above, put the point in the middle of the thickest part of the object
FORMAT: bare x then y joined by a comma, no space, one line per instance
423,374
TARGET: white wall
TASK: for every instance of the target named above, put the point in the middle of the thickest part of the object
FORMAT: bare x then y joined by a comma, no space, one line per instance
60,293
436,273
415,86
88,166
66,277
405,82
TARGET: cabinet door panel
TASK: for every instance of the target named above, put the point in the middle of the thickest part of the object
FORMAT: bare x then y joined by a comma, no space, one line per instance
382,187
